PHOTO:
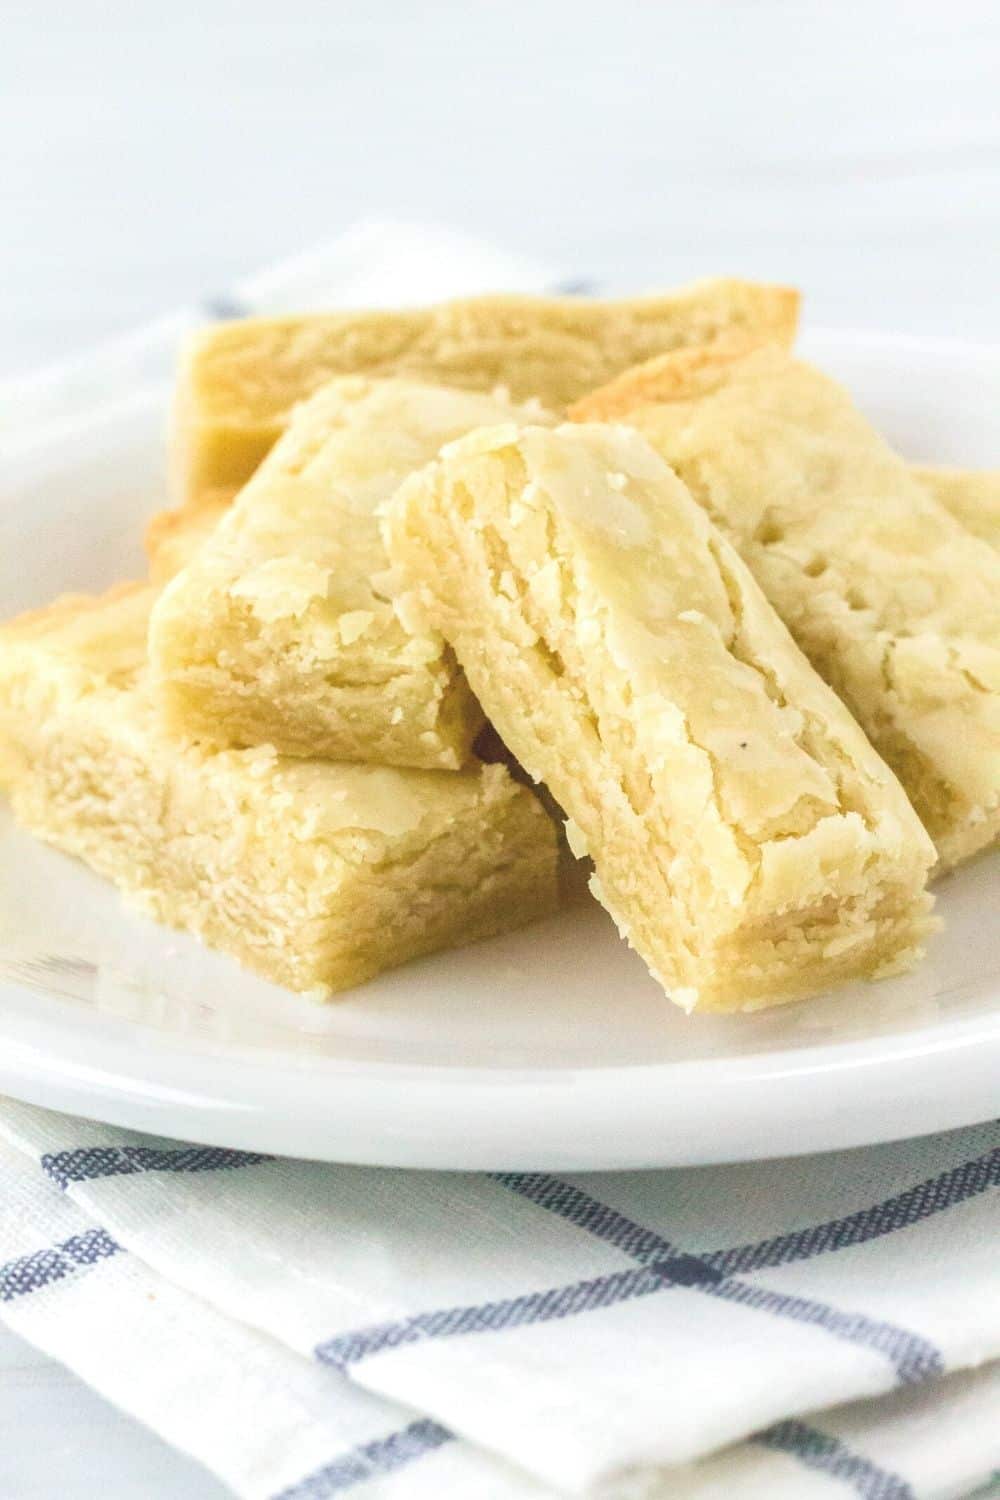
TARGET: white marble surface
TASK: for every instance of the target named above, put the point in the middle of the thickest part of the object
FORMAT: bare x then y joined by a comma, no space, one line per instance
151,153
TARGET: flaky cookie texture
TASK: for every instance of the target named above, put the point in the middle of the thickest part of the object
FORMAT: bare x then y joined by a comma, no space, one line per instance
316,875
240,380
173,536
748,840
895,603
279,631
971,495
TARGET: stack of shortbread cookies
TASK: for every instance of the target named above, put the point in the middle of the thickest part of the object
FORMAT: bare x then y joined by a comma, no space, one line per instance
753,657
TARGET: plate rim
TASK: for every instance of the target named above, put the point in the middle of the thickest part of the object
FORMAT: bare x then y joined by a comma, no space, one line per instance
825,1098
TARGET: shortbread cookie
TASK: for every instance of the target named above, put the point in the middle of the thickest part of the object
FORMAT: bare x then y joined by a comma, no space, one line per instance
316,875
972,496
746,838
174,536
278,632
894,602
240,380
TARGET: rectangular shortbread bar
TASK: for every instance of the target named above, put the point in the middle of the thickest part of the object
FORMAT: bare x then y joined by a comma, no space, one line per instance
277,632
894,602
240,380
746,837
972,496
314,874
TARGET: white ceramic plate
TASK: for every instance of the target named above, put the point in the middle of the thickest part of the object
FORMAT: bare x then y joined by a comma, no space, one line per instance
550,1048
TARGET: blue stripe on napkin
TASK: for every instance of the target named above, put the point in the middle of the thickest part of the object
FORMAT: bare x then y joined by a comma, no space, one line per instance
382,1456
817,1450
29,1273
932,1196
86,1163
914,1358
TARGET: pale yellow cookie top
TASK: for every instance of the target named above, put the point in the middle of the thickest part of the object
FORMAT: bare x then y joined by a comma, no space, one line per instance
971,495
897,599
781,455
668,598
554,348
303,535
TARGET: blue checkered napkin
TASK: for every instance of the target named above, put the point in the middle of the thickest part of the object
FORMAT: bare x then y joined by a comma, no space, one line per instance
696,1333
267,1421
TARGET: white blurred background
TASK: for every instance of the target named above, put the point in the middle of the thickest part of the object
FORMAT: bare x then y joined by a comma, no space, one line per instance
154,152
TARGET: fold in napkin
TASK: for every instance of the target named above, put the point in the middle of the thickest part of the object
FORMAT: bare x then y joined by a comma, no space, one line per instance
815,1327
306,1329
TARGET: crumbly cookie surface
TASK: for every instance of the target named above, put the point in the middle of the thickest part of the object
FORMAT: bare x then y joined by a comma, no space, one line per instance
747,839
240,380
279,631
971,495
895,603
314,874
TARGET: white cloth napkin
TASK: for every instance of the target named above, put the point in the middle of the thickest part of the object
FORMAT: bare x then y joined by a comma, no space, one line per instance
811,1327
306,1329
